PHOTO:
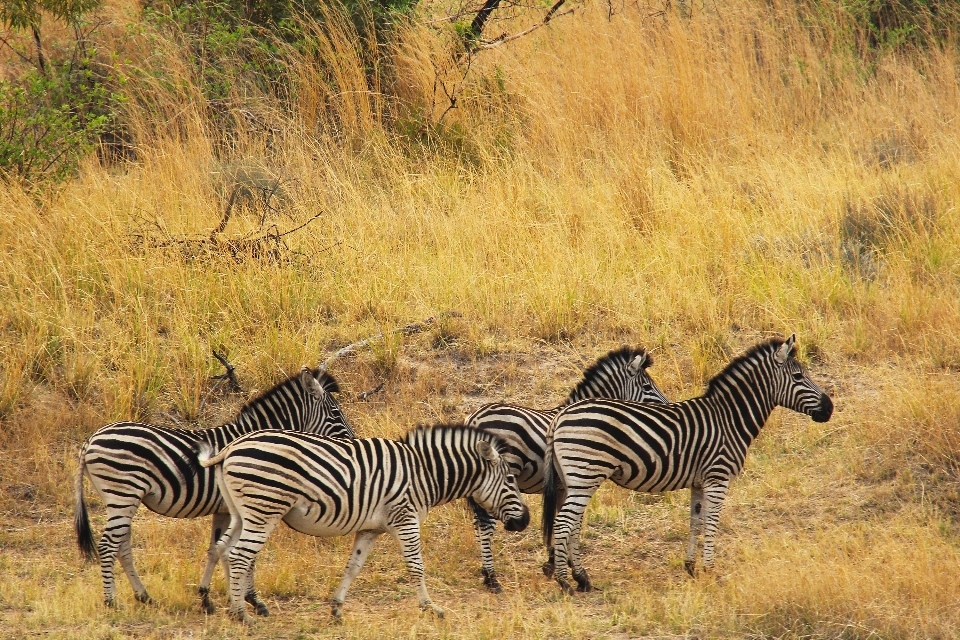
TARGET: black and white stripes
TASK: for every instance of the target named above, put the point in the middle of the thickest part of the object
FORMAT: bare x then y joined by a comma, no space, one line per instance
130,463
699,444
330,487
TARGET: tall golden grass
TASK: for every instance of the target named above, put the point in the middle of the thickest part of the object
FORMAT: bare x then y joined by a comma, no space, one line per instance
688,183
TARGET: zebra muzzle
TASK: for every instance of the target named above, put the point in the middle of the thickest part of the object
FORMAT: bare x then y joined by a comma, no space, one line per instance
824,411
518,524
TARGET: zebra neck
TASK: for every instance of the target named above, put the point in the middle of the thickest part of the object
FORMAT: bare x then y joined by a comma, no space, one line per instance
223,435
448,474
741,407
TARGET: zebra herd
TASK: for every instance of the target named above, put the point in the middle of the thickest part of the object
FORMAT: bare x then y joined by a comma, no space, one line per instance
291,455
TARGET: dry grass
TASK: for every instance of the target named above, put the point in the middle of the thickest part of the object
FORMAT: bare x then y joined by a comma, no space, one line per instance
689,184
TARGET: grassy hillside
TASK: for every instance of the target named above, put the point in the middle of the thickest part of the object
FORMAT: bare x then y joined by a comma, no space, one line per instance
688,183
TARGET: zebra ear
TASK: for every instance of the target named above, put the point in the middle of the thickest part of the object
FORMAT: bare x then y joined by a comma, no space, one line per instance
310,383
785,349
487,451
638,364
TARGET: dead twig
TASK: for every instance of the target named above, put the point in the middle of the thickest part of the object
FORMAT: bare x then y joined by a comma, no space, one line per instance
367,394
230,376
407,330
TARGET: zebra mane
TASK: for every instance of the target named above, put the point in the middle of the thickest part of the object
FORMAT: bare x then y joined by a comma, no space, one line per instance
425,433
325,380
738,362
618,358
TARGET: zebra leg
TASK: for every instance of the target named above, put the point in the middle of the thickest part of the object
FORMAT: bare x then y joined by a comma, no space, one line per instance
713,500
407,534
116,532
219,525
251,594
361,549
696,526
548,566
484,525
126,561
566,547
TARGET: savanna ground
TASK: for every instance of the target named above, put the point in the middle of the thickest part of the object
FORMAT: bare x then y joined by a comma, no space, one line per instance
689,181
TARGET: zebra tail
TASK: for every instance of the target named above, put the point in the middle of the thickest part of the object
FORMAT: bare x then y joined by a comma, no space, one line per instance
81,521
204,449
549,496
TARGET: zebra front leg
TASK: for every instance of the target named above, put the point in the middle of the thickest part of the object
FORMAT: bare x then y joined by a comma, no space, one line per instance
219,525
713,500
484,525
408,536
696,526
361,549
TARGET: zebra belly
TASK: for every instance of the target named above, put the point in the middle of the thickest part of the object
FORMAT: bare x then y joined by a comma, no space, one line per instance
312,519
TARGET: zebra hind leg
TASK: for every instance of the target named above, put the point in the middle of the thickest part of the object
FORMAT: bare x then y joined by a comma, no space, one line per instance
251,596
115,534
549,566
126,561
484,525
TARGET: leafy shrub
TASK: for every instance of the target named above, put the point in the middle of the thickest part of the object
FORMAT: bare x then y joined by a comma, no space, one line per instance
48,121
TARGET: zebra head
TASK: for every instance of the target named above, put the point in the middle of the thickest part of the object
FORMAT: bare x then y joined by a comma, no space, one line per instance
321,413
622,375
639,386
793,387
498,492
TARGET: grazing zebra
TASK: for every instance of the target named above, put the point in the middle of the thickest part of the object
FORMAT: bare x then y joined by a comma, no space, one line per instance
620,374
130,463
700,443
332,487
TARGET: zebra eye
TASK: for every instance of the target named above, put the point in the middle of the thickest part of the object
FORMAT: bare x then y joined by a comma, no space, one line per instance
798,376
510,478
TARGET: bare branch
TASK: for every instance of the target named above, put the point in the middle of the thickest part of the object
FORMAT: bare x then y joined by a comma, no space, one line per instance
367,394
407,330
550,15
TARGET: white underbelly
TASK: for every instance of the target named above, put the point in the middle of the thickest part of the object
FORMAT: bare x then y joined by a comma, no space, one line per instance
308,518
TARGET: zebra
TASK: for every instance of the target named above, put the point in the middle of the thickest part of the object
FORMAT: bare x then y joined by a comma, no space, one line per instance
129,463
330,487
698,444
621,373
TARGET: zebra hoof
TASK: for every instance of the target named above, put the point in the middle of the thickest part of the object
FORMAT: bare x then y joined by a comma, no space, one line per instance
583,582
241,616
205,602
690,566
337,613
258,604
548,569
490,581
111,603
143,597
565,587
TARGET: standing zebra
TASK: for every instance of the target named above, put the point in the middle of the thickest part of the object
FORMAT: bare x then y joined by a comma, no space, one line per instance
130,463
332,487
700,443
620,374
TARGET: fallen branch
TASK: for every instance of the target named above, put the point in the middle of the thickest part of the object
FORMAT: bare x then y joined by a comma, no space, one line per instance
407,330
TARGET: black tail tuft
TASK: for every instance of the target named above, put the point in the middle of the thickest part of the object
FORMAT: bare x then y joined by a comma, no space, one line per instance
549,497
81,521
